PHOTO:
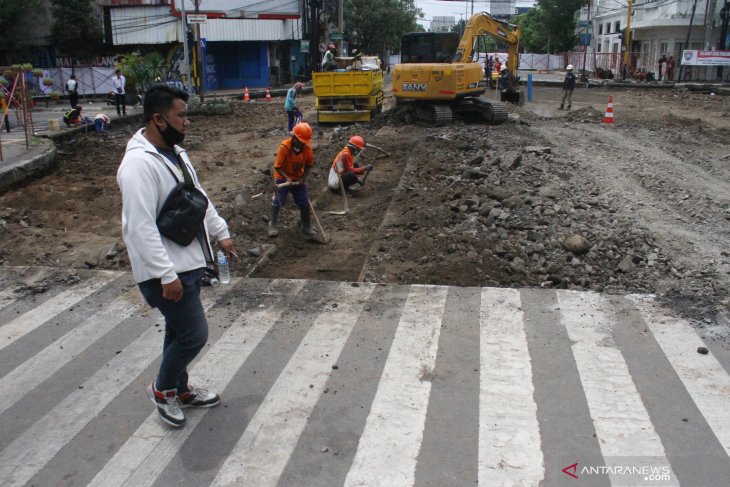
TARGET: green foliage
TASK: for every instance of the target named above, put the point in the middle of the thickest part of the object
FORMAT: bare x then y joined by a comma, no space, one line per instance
560,23
533,33
75,31
379,24
143,71
16,19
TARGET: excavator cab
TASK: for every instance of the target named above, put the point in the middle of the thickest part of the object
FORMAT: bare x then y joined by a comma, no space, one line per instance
429,47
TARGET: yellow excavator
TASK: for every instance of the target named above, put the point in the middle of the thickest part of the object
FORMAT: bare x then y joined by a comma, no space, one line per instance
440,76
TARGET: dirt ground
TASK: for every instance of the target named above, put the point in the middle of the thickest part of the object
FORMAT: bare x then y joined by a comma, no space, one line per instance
551,199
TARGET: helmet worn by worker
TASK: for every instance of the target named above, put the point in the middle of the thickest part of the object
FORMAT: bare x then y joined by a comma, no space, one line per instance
331,46
570,67
503,68
298,86
303,132
356,142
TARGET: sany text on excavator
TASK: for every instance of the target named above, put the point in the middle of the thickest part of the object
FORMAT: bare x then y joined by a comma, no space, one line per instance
440,76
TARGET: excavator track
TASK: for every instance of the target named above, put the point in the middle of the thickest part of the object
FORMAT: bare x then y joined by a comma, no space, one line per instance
489,112
431,114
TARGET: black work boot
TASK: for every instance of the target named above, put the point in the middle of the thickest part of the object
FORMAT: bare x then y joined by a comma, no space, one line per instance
561,107
274,221
306,224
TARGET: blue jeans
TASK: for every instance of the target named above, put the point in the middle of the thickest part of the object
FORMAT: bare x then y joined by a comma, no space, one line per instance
293,118
186,329
299,192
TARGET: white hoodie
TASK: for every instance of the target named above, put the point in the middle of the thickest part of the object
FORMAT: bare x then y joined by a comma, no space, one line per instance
145,184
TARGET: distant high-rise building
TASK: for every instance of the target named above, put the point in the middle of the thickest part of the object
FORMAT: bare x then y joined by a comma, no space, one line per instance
502,9
442,24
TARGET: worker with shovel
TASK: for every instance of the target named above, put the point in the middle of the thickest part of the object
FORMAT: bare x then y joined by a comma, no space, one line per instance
344,171
294,160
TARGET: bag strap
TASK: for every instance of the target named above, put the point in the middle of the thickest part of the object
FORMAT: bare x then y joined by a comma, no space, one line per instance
201,235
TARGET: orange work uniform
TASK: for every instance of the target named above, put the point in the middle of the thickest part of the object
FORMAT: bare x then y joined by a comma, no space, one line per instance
290,164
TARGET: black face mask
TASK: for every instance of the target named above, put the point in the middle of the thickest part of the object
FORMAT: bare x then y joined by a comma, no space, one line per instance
170,135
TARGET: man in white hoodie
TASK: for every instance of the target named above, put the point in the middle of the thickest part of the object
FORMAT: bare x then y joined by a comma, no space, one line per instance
168,275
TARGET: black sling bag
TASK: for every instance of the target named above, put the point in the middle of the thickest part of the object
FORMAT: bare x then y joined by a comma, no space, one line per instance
182,214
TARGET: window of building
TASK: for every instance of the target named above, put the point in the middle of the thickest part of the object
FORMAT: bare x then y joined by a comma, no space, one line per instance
663,48
617,26
608,28
600,29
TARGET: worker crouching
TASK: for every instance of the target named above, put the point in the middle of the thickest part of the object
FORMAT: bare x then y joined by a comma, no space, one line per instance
294,160
345,169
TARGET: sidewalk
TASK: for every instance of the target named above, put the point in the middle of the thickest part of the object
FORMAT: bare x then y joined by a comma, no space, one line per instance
21,161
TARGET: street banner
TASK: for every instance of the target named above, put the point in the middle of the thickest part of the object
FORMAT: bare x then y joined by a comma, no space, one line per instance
706,58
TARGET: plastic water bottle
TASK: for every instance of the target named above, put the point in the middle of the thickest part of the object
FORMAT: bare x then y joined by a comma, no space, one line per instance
224,273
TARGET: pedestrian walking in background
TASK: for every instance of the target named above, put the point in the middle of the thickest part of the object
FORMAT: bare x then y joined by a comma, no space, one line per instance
72,88
568,87
293,114
168,274
498,65
294,160
119,83
346,168
661,67
670,68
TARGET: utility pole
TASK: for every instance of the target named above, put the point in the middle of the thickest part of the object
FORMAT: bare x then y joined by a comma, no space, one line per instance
724,16
709,14
198,52
628,37
585,47
689,32
341,26
186,56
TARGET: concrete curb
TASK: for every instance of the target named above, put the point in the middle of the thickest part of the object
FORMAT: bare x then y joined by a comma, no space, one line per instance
68,133
29,168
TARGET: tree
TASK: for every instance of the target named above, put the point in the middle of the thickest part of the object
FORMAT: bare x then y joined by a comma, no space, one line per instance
75,31
16,19
550,27
376,26
534,35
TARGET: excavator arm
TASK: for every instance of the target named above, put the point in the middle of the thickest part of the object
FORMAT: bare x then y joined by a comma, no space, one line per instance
483,23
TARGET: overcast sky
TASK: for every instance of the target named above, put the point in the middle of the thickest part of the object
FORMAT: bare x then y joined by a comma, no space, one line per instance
455,9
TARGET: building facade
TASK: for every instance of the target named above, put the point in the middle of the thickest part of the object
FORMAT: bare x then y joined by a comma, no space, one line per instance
658,28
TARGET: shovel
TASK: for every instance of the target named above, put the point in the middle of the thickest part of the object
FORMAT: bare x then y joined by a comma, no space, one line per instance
323,237
346,210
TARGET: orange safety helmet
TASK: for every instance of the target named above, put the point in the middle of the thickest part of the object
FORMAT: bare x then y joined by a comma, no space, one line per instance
303,132
356,142
298,86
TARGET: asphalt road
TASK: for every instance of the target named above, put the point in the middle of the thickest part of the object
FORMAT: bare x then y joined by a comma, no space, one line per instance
333,383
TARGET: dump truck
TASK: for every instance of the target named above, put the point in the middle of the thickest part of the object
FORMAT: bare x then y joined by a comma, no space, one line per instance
351,93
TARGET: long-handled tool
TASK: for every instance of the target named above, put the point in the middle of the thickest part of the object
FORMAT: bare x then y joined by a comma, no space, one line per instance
345,210
325,239
378,148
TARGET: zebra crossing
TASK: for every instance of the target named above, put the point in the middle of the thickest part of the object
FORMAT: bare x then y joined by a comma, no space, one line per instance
330,383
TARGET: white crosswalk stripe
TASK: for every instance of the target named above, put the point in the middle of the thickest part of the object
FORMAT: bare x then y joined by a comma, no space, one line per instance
31,320
383,445
389,446
702,375
622,423
45,363
509,435
29,453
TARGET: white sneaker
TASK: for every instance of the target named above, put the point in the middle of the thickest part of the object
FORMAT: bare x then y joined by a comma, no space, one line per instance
168,405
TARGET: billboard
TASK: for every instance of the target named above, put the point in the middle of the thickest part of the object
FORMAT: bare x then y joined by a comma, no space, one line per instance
706,58
243,9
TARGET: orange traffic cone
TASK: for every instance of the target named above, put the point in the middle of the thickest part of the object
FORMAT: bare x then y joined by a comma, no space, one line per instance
245,94
608,118
268,95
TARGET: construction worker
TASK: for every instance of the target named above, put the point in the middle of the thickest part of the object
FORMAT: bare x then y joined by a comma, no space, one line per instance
294,160
503,78
568,86
328,61
345,168
293,114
